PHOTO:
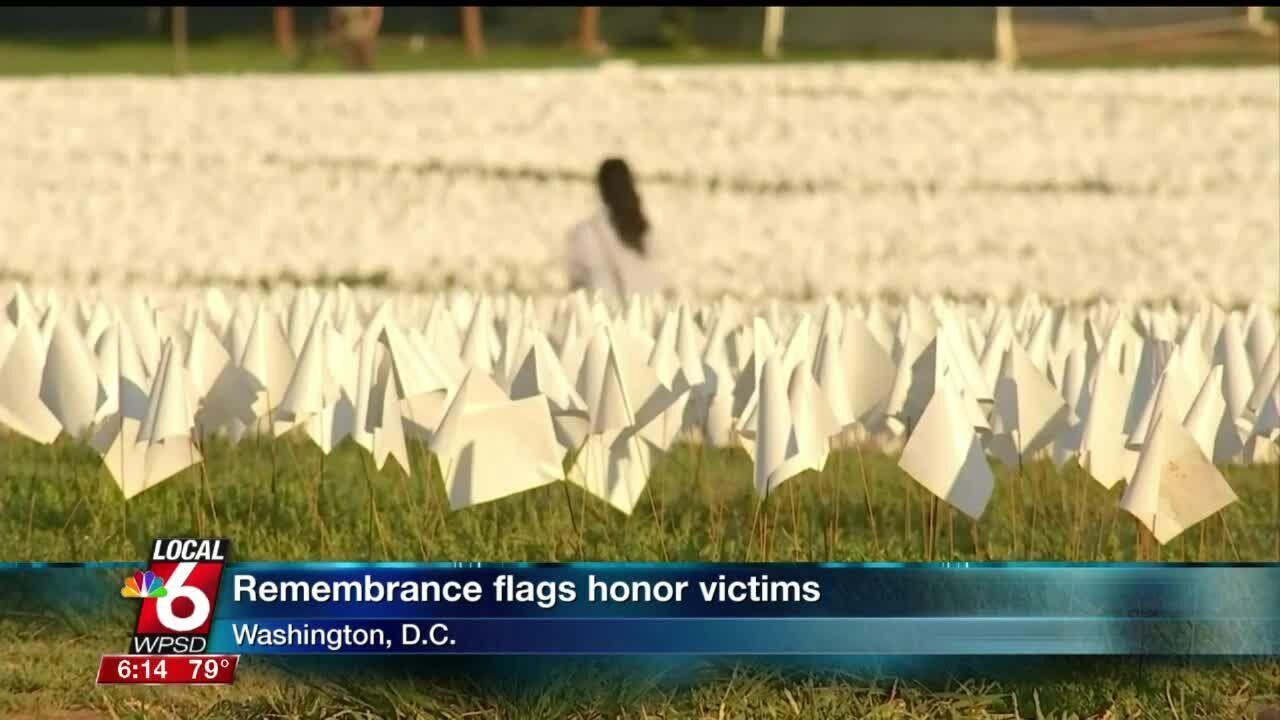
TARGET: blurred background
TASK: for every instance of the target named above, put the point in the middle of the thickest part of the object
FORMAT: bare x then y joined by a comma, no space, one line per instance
781,152
47,39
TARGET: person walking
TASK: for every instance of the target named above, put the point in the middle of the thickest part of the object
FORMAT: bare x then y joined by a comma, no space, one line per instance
612,250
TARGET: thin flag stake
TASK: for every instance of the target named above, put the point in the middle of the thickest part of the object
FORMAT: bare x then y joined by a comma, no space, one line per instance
1226,530
951,533
197,509
751,536
373,506
795,520
866,494
1275,510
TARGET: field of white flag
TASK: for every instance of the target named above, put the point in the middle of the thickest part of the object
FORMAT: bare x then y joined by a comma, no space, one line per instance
510,394
1053,288
793,181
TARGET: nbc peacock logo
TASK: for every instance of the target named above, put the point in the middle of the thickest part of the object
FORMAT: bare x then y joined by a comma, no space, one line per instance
144,585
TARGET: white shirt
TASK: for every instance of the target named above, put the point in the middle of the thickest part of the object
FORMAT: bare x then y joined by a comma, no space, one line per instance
599,261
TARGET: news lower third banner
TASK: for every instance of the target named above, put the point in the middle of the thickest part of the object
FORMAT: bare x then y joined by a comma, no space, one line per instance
881,609
763,609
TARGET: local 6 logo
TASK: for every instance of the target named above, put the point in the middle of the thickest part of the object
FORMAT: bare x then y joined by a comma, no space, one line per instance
178,593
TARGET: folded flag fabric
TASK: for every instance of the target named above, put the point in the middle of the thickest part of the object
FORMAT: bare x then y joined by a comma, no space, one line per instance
944,454
491,446
1175,485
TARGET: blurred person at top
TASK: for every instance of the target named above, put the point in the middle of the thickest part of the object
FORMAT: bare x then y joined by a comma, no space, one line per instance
612,250
356,31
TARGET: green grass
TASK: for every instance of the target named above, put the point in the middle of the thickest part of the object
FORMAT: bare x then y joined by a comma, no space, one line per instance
52,671
249,54
235,54
57,503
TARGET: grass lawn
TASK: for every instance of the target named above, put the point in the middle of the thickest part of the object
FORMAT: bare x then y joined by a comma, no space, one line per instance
256,54
48,673
57,503
248,54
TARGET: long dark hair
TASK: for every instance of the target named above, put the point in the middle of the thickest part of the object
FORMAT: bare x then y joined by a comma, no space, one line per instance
618,190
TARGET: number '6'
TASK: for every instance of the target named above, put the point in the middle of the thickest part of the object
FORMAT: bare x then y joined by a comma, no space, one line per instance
176,589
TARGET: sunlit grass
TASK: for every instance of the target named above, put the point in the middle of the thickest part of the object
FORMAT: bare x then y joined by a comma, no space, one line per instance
284,500
236,54
58,503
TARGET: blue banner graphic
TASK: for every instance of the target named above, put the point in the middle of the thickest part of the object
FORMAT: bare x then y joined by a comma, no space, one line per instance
878,610
763,609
